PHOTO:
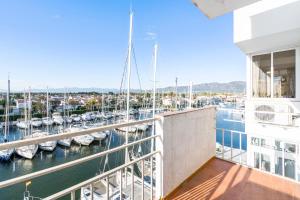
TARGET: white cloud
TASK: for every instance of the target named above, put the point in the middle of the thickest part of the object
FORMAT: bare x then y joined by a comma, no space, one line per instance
150,35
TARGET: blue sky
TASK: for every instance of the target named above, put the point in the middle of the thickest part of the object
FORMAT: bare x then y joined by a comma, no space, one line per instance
83,43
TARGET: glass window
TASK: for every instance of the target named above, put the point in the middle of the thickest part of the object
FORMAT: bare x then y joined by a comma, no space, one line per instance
278,163
284,74
289,168
261,75
255,141
256,160
265,162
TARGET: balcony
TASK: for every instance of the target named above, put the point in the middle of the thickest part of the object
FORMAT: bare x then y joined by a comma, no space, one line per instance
219,179
181,164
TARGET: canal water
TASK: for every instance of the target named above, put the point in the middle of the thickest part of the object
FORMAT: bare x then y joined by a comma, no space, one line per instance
49,184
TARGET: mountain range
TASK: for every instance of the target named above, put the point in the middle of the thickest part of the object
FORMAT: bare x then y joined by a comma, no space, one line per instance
213,87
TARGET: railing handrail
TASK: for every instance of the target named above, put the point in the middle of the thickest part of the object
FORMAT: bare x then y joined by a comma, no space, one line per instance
231,130
37,140
39,173
98,177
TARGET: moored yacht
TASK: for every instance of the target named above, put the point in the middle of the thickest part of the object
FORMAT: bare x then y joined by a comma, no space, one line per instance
57,118
46,146
28,151
65,142
100,135
22,124
36,122
84,140
75,118
47,121
6,154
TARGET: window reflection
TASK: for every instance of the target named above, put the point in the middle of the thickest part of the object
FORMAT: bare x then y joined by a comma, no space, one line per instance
261,75
284,74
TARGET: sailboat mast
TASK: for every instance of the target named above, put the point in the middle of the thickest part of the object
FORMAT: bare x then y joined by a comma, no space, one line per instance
47,107
176,98
6,131
191,94
29,110
154,90
128,80
64,110
25,113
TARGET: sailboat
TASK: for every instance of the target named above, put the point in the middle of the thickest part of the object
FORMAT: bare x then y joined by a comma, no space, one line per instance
57,118
67,141
84,140
36,122
49,145
6,154
28,151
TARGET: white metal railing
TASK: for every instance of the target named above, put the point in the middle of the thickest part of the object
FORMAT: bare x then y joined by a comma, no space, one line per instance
105,175
238,155
60,136
228,154
53,169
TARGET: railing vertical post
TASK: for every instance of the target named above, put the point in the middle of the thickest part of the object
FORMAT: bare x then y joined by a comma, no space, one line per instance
223,143
92,191
132,181
231,144
240,148
107,187
283,152
151,176
121,184
73,195
142,163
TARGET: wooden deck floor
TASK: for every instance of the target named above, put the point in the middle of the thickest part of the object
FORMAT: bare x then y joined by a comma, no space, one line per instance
219,179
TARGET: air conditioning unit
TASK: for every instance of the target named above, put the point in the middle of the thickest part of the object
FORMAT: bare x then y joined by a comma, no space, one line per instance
274,114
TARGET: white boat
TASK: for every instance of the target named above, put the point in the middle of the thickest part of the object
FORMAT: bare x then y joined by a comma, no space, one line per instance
84,140
98,115
36,122
46,146
47,121
75,118
22,125
57,118
6,154
142,127
99,135
66,142
86,117
28,151
68,119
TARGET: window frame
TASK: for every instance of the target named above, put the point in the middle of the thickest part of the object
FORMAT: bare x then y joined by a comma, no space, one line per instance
272,74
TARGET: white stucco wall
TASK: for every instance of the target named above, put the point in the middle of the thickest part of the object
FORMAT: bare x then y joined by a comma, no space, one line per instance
267,25
188,141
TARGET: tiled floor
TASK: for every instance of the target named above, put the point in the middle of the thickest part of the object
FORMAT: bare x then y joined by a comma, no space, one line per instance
219,179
